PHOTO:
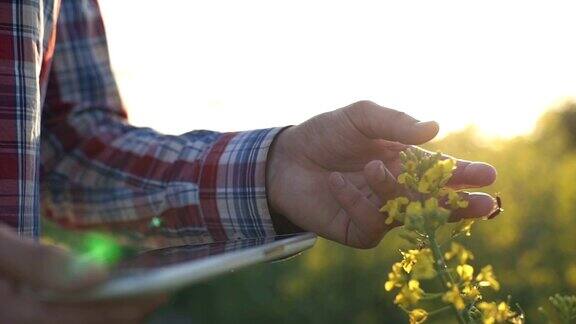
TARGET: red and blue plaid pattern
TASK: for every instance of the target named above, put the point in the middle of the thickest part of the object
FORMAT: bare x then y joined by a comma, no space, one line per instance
96,170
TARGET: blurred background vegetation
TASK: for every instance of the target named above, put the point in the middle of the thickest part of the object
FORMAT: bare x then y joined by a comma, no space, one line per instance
531,245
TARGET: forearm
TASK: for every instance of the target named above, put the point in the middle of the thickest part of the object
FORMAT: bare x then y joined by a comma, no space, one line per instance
204,186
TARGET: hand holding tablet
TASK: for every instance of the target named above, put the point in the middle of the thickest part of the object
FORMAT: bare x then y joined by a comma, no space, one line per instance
169,269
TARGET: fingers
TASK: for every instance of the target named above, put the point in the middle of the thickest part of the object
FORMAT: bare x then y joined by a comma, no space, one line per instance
41,266
381,181
377,122
472,175
16,307
366,224
469,174
479,205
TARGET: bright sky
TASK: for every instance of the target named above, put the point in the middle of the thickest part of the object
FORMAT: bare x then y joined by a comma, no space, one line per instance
236,65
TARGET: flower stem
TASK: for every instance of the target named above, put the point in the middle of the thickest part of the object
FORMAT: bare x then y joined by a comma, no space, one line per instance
428,296
439,310
442,269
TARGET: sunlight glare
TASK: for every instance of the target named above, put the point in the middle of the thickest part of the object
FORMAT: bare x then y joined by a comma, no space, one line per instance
237,65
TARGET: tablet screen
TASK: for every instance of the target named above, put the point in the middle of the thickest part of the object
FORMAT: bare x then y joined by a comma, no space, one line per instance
173,255
172,268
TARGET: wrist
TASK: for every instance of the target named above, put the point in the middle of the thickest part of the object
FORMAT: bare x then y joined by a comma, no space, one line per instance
276,167
277,157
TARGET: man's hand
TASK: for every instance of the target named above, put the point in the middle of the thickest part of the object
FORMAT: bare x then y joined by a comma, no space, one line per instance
26,265
331,174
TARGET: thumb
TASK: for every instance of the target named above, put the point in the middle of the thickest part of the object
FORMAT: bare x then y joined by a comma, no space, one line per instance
377,122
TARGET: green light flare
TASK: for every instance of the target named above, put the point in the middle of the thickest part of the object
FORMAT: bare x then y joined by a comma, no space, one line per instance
100,249
155,222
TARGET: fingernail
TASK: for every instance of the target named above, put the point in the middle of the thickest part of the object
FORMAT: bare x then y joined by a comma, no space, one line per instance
383,172
381,166
480,173
426,124
337,180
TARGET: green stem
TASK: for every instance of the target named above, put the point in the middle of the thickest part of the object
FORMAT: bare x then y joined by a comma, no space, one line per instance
428,296
442,269
439,310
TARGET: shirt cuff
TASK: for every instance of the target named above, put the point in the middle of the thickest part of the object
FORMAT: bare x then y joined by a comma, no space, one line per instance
232,185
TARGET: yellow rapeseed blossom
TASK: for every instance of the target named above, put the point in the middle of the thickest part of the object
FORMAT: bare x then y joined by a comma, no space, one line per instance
414,219
411,167
471,292
466,272
454,297
425,176
463,226
409,259
486,278
454,200
407,179
418,263
396,278
424,186
459,252
394,209
424,267
431,205
493,313
436,177
435,216
418,316
409,294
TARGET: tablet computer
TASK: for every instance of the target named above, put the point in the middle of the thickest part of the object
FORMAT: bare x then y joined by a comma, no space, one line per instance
169,269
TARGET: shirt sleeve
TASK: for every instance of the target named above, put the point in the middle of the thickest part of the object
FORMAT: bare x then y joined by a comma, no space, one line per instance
23,26
100,171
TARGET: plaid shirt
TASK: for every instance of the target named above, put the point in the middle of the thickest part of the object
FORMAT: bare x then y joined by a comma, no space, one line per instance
95,170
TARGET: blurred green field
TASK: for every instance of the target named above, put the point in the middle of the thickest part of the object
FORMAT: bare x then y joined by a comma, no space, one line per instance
532,245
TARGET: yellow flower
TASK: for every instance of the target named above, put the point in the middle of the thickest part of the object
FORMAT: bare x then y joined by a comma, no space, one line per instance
424,267
403,178
447,166
454,297
394,209
411,167
436,176
409,180
418,316
453,198
466,272
431,205
493,313
434,214
420,263
414,219
409,259
424,186
396,278
486,278
459,252
463,226
471,292
410,294
414,208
